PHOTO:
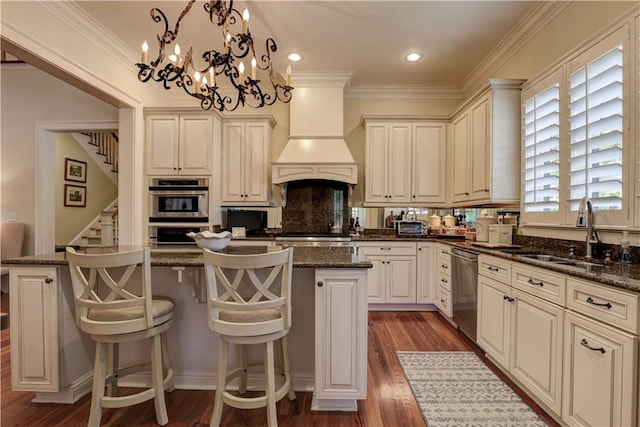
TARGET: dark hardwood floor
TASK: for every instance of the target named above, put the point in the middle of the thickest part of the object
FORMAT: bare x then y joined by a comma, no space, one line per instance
389,401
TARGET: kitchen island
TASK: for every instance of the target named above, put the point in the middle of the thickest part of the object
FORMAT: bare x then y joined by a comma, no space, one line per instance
327,341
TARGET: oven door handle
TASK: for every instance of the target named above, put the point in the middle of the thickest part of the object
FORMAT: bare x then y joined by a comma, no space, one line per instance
177,193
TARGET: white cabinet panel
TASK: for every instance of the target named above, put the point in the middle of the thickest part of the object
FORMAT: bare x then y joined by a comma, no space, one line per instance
425,277
341,334
429,163
494,319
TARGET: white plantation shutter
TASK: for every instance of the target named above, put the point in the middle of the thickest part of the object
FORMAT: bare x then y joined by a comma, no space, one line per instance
596,131
541,154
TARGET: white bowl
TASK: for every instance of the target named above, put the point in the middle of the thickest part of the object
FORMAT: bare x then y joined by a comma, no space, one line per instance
212,241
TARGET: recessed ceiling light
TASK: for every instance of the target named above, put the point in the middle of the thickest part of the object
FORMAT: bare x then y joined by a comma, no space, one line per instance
413,57
295,57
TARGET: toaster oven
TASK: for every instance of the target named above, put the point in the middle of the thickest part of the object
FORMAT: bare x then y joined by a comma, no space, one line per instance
411,228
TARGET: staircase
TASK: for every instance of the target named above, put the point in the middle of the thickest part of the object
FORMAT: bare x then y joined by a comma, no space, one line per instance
106,143
104,231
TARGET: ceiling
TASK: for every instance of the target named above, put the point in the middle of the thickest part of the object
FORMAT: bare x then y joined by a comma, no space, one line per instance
367,38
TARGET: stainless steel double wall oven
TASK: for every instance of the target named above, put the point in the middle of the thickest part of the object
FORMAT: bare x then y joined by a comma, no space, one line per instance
177,206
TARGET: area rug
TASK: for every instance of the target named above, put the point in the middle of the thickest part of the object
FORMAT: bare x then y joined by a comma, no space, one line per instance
457,389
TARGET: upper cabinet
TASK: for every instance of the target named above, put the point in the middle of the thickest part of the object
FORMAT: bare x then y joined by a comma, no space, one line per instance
405,162
179,144
246,158
486,146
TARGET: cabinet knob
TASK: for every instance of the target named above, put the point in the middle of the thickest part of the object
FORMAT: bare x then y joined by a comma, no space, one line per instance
320,283
48,280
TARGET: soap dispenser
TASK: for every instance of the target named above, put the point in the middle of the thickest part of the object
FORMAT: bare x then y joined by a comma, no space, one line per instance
625,252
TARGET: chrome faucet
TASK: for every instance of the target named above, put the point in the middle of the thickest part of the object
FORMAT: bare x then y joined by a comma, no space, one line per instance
585,220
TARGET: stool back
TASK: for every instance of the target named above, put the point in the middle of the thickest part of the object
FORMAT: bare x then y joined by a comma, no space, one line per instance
106,300
248,295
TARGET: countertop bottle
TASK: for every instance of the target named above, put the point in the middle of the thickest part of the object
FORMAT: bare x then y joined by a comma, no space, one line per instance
625,252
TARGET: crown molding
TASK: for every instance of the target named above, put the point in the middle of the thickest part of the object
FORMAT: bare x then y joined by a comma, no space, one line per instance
530,25
403,92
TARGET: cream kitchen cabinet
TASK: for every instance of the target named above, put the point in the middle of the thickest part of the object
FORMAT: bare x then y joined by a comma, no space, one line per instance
246,158
179,144
393,276
405,161
442,257
47,350
600,374
388,162
425,277
520,331
486,145
341,338
429,156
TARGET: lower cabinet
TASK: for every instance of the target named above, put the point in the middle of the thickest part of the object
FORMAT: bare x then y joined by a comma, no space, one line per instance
34,328
392,279
536,357
600,374
523,333
442,269
341,334
426,285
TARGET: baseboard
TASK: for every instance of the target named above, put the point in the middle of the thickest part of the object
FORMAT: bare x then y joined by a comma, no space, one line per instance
402,307
79,388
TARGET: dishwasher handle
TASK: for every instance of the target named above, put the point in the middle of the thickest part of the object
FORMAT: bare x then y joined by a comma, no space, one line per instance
468,258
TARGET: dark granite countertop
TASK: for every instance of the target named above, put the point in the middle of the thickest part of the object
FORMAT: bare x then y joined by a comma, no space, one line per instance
615,274
303,257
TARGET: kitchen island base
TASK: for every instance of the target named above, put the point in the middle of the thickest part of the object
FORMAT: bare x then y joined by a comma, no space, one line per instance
327,341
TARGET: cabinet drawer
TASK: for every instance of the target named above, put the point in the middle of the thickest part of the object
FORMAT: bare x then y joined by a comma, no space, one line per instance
605,304
445,301
444,280
390,248
495,268
539,282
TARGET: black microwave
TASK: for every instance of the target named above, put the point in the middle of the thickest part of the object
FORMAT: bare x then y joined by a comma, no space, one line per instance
252,221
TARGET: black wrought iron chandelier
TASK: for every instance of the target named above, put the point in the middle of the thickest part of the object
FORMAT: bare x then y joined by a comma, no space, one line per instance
245,90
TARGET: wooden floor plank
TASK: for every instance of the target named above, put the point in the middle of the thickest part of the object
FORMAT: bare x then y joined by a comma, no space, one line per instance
389,399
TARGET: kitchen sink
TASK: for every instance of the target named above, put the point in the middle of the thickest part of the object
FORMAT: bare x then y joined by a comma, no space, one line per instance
558,260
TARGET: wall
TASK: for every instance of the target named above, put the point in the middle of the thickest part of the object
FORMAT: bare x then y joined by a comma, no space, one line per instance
30,96
71,220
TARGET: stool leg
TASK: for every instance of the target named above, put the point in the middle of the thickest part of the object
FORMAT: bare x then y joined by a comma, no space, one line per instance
287,365
244,360
112,366
270,387
158,380
216,417
167,369
99,372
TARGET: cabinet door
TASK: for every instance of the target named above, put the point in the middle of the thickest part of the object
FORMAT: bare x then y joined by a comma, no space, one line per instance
536,359
377,277
35,349
600,374
401,279
425,277
494,319
162,135
399,163
341,334
480,160
460,176
256,162
195,146
429,163
376,166
232,162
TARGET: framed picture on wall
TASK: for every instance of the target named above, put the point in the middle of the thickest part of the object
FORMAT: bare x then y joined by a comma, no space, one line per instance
75,170
75,195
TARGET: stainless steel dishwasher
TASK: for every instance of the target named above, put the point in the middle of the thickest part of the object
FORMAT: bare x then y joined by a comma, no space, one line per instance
464,290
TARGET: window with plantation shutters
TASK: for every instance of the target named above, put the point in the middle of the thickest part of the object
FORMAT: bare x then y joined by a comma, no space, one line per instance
596,130
542,150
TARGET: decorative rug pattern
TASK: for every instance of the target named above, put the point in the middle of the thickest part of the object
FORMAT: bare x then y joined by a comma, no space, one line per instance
456,389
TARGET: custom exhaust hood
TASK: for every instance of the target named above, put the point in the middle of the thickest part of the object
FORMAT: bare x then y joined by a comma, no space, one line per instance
316,149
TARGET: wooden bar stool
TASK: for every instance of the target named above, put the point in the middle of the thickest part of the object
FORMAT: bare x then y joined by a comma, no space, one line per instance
248,302
108,309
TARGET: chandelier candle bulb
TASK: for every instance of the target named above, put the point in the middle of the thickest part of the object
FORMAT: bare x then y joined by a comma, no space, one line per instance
241,69
288,75
177,51
245,21
212,77
145,49
204,84
253,68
